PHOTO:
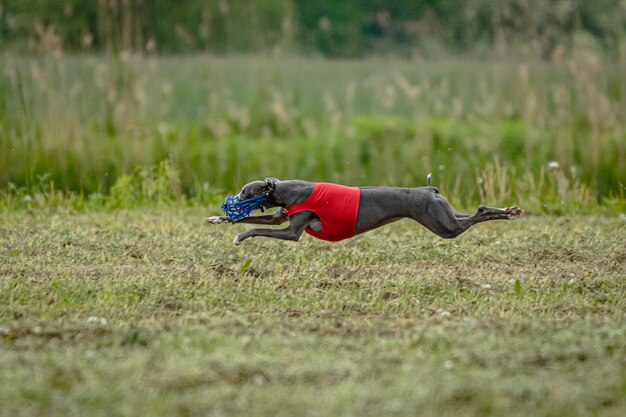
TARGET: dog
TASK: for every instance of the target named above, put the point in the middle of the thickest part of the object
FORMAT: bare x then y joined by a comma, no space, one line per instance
336,212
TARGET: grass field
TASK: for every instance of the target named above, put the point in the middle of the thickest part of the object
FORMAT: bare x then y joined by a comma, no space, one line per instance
153,313
117,300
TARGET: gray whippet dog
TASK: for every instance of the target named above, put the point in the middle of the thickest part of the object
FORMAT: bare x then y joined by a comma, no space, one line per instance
377,206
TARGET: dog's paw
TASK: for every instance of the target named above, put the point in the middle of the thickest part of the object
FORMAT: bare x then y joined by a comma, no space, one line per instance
514,213
236,241
216,219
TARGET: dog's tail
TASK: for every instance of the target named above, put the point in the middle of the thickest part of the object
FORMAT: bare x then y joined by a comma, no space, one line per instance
428,178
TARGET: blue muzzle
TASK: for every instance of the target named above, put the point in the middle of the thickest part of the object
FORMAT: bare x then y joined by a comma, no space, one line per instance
235,209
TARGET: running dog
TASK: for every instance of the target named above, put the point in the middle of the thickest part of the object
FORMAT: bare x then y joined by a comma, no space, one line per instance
335,212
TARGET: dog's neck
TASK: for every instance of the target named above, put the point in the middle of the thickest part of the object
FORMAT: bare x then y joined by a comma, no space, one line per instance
276,198
283,196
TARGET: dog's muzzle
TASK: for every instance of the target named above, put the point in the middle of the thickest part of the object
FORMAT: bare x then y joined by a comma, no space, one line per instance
236,209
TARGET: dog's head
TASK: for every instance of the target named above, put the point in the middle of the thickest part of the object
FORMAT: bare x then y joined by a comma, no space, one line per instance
253,196
257,188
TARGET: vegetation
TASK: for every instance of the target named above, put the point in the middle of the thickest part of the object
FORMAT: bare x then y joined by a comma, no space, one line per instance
116,301
349,28
549,136
146,312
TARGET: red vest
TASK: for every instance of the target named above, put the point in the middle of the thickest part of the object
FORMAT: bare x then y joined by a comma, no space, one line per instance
337,207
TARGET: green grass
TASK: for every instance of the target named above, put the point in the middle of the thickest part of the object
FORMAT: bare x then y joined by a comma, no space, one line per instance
148,311
485,128
153,313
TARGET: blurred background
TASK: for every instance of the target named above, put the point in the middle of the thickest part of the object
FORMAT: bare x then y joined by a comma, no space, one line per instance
126,102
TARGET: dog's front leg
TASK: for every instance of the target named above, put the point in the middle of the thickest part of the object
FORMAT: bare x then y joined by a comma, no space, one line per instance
271,219
297,223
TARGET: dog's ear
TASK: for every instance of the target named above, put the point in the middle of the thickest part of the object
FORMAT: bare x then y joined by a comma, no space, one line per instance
269,185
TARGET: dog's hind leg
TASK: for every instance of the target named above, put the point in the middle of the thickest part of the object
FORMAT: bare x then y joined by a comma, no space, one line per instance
434,213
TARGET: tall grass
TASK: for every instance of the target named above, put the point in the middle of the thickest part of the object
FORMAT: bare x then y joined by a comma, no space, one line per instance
550,134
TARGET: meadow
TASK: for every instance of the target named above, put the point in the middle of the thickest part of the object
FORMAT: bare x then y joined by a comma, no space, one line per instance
149,312
116,299
549,133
